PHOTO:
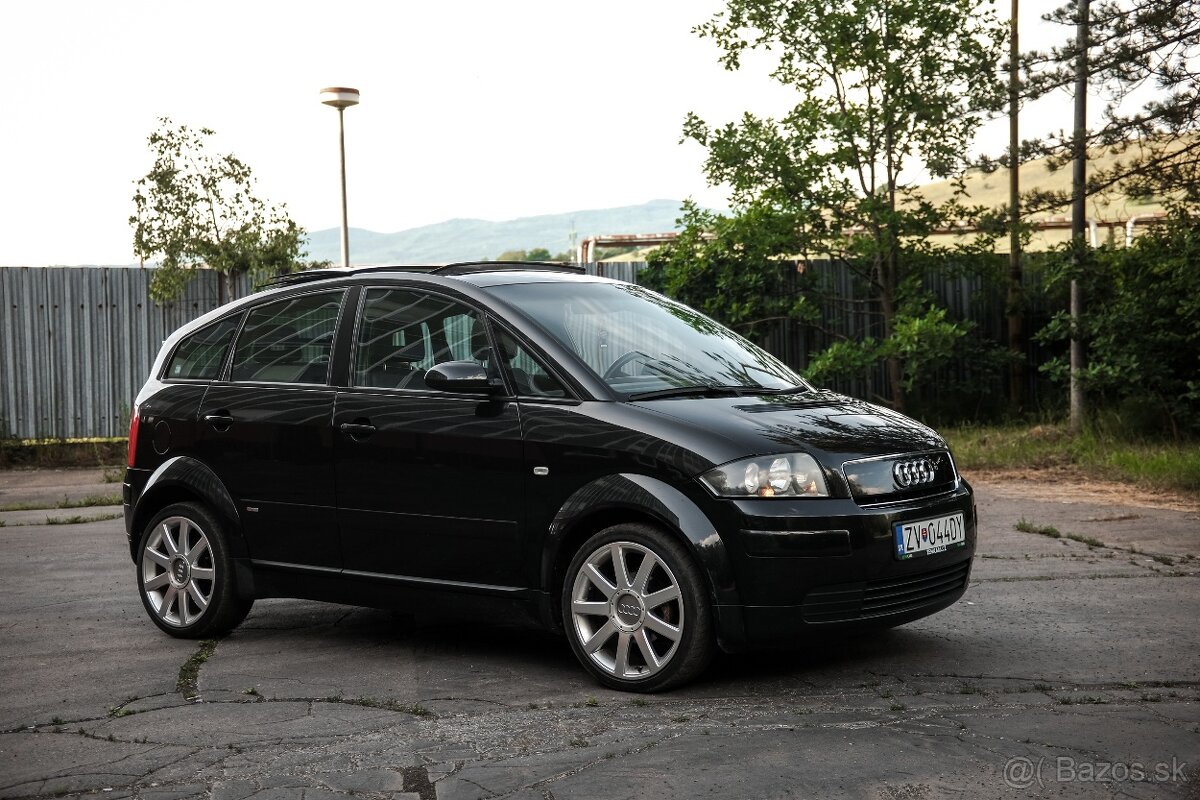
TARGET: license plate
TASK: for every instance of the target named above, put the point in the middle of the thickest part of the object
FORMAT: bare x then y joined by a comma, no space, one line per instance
928,536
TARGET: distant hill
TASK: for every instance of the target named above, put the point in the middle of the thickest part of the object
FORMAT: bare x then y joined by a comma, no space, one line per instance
467,239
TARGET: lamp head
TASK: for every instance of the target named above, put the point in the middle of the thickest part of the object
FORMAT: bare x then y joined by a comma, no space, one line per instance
339,97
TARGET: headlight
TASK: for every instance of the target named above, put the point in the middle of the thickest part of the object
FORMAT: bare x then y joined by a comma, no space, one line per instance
789,475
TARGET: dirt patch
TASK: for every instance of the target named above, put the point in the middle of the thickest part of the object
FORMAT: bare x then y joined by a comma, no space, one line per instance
1068,485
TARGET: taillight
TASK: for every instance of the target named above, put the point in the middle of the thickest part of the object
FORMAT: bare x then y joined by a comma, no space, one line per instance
134,422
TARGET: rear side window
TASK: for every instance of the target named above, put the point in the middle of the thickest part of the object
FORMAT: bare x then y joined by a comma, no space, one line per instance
288,341
200,356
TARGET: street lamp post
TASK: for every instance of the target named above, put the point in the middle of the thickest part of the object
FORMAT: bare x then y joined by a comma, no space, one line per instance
342,98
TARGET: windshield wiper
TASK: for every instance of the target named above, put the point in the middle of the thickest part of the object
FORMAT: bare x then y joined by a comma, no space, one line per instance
695,391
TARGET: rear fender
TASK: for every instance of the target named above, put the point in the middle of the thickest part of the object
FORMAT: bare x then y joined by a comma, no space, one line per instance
184,478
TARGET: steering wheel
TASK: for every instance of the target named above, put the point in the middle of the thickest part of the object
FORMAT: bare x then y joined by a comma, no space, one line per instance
624,359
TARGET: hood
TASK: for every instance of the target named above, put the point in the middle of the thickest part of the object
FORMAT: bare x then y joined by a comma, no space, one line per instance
832,427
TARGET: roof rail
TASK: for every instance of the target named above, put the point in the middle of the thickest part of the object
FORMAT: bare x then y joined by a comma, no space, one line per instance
461,268
304,276
469,267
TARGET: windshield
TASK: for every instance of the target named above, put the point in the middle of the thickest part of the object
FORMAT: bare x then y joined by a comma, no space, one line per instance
640,343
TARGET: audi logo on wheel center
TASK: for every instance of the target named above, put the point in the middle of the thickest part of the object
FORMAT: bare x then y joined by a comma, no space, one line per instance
915,471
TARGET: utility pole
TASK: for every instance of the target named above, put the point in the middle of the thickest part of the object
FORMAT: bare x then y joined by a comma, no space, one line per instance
1016,294
1079,213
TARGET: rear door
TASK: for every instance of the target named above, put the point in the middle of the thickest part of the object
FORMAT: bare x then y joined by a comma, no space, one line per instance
265,430
430,484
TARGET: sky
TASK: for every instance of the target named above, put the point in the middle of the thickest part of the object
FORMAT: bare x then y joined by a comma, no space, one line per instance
473,109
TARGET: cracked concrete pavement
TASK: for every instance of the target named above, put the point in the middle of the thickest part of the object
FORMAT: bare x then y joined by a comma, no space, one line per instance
1061,653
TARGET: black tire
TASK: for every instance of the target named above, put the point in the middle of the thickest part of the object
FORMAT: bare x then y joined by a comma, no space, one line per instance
183,559
625,617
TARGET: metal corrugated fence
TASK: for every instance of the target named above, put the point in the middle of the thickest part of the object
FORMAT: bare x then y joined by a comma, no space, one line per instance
77,343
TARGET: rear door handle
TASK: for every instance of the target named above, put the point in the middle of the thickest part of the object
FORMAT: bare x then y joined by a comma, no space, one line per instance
221,420
357,429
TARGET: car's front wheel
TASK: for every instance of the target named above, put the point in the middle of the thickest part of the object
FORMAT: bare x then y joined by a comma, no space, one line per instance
636,611
185,575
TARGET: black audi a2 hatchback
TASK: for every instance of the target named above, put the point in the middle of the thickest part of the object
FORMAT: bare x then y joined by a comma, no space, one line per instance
534,444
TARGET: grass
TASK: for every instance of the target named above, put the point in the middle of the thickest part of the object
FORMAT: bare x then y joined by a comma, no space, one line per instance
75,519
90,501
43,453
1102,452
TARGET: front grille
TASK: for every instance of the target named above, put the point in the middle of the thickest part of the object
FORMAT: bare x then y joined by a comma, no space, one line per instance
874,481
881,598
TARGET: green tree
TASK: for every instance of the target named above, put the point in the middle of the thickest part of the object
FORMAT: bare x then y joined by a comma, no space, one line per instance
730,268
889,92
195,209
536,254
1151,47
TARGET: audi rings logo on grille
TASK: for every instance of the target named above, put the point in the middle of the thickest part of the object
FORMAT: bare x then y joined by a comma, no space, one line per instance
915,471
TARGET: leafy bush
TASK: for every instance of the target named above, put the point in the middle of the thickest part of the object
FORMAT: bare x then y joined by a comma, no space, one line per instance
1141,325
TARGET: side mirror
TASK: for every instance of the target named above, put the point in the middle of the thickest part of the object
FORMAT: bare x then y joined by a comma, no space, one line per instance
462,377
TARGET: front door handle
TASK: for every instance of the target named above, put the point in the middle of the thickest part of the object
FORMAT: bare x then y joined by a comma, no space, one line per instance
357,428
221,420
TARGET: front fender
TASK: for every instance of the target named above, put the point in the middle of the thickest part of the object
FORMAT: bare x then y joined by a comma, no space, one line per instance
643,496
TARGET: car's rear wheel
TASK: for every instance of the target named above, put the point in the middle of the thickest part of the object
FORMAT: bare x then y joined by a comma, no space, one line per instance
636,611
185,575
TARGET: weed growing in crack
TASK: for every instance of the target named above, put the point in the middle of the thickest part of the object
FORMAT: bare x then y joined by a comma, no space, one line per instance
388,704
250,690
1025,526
898,706
591,702
579,741
639,702
189,674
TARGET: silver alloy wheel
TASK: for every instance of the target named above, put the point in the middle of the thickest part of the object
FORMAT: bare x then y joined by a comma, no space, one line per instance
178,573
630,627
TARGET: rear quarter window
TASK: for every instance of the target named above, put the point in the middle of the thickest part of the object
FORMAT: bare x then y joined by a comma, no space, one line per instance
200,356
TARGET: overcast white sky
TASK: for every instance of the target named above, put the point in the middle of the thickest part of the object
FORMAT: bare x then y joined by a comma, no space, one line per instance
469,109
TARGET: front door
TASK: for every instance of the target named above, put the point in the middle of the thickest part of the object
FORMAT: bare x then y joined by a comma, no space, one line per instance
430,484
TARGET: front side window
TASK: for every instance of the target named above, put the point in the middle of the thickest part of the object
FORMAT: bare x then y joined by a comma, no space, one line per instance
200,356
288,341
404,332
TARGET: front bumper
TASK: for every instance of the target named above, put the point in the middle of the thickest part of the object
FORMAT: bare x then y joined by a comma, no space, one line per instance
807,565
